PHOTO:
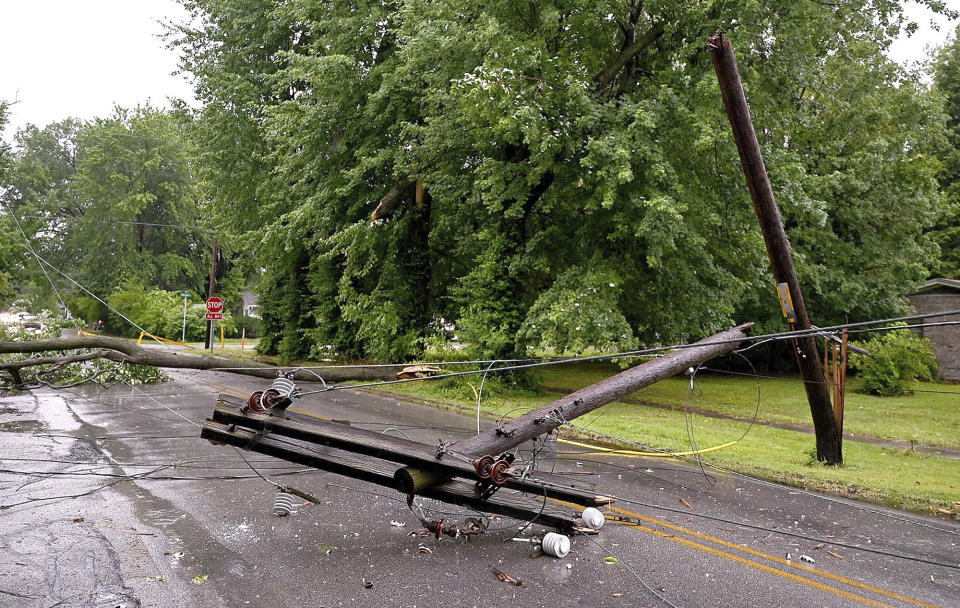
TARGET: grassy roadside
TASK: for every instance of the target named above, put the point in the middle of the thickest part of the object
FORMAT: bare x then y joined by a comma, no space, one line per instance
901,478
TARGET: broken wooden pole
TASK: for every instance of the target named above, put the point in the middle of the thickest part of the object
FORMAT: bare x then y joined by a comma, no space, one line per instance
376,471
778,247
549,417
400,450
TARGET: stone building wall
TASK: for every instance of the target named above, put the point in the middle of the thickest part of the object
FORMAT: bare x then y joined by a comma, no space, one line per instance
946,339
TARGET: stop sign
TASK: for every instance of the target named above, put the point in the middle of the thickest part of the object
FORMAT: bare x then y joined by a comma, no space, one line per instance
214,305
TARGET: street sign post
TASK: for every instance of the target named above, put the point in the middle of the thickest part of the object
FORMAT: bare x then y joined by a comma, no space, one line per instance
214,309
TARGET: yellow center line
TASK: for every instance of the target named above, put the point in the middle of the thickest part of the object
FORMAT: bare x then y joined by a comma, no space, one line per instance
780,560
757,566
306,413
226,389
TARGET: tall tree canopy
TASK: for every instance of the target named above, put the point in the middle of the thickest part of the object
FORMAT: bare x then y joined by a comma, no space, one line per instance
8,253
946,74
110,202
555,172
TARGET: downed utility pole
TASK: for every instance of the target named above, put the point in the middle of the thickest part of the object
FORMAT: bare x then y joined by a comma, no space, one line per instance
547,418
466,473
829,448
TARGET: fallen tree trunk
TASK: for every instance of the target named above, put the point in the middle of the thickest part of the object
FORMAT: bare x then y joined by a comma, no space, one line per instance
125,351
567,408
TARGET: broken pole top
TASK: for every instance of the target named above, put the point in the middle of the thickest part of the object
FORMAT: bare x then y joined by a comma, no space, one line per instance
572,406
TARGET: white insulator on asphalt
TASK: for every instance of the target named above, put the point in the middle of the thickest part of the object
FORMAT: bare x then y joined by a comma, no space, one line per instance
283,504
556,545
592,518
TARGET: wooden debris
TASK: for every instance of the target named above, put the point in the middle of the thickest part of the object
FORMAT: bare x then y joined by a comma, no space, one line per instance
506,578
417,371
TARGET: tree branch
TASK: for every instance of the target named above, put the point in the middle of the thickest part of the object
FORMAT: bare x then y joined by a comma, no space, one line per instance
605,75
390,201
117,349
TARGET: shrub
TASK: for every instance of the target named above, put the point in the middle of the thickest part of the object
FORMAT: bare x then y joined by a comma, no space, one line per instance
160,313
897,360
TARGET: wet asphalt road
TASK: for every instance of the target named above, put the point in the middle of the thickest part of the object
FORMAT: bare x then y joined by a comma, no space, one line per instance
109,498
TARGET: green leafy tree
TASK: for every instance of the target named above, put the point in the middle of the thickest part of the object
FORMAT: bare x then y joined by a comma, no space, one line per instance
946,75
111,201
7,248
395,162
897,360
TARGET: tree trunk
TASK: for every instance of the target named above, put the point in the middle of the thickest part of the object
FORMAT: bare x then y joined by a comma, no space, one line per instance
117,349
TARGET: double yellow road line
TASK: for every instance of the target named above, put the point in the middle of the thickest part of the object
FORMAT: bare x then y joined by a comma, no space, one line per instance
801,574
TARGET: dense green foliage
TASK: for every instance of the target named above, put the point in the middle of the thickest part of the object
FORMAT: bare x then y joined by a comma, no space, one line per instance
107,202
897,360
8,250
946,74
160,313
558,146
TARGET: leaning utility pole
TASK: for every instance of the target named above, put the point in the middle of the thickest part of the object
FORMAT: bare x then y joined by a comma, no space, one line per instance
778,249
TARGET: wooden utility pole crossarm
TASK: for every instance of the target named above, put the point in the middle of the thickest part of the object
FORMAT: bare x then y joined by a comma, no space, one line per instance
778,246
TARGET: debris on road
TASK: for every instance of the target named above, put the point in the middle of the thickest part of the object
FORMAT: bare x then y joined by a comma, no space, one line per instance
417,371
367,583
283,504
397,523
199,579
806,558
689,506
506,578
557,545
836,555
592,518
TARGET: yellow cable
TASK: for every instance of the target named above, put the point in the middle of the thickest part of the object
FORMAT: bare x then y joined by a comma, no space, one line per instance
601,450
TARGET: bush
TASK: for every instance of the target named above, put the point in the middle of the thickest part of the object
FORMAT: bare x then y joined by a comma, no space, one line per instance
160,313
897,360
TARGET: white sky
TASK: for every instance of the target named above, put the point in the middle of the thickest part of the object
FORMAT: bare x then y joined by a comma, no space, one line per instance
78,58
61,58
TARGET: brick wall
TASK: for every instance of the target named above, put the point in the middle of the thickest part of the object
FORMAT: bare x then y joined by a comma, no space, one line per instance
946,339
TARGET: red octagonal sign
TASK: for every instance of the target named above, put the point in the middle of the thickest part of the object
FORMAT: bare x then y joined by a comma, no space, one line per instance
214,305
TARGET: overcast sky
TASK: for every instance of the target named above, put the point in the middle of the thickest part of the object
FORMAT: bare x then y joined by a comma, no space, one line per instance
78,58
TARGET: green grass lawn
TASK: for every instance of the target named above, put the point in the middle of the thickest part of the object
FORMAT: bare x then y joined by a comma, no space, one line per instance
898,477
